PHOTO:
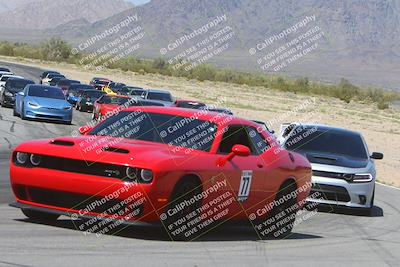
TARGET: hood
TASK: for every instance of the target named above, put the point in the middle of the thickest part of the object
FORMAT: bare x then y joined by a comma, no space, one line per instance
334,159
50,102
94,149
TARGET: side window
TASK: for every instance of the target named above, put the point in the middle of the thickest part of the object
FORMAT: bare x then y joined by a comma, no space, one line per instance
235,135
259,143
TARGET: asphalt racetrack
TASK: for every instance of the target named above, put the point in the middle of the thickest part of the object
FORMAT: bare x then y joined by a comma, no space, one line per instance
326,238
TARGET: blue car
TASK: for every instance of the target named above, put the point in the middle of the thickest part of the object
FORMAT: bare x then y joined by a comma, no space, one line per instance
42,102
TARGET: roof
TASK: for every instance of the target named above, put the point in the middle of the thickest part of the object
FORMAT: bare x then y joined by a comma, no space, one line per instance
158,91
19,78
325,128
200,114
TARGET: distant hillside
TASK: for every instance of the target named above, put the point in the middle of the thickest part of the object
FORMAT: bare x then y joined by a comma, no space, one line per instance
361,37
51,13
7,5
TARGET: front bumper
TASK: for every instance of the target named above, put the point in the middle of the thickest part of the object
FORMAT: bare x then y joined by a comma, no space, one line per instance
83,195
87,107
9,100
49,114
341,193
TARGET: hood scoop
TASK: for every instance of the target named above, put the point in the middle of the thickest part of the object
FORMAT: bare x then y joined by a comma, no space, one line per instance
115,150
59,142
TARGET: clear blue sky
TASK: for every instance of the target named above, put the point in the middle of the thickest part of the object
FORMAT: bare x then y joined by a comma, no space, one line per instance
139,2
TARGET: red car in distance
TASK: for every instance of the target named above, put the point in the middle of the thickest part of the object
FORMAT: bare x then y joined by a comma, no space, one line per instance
189,170
108,103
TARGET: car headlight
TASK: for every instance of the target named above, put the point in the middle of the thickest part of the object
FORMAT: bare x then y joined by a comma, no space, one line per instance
6,93
35,159
89,103
32,104
139,175
21,157
362,178
132,173
146,175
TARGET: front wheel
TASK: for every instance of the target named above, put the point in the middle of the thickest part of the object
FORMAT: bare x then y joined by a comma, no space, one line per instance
15,114
368,211
184,193
22,114
284,214
39,216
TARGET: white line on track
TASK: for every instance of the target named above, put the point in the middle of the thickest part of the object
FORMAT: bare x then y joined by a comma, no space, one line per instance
393,187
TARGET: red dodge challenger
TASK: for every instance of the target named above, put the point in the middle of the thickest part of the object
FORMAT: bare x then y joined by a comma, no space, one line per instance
191,170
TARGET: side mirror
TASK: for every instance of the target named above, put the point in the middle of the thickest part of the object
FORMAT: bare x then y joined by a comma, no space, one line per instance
240,151
376,155
85,129
237,150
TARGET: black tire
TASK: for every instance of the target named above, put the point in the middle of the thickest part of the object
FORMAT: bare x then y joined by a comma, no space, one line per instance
76,106
22,113
368,211
283,226
185,190
14,111
39,216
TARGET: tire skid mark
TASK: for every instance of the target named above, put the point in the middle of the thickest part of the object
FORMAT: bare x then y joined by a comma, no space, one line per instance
8,142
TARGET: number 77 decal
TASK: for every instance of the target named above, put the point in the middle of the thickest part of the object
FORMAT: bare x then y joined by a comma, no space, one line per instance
245,183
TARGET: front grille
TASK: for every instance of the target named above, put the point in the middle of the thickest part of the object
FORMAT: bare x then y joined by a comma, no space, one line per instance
84,167
330,192
48,116
73,201
336,175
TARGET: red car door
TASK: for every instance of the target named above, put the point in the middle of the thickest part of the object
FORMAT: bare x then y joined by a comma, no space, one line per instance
245,175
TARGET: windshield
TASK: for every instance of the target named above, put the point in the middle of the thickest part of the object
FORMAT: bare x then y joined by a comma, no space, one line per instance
18,85
114,100
48,92
159,128
326,141
102,82
192,105
135,92
160,96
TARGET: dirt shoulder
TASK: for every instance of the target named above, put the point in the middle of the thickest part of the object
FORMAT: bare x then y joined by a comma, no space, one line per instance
381,128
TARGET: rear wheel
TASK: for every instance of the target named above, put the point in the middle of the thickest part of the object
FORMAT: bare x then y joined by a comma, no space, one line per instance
39,216
284,214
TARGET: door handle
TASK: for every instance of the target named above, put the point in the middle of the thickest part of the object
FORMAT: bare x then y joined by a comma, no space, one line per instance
260,165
